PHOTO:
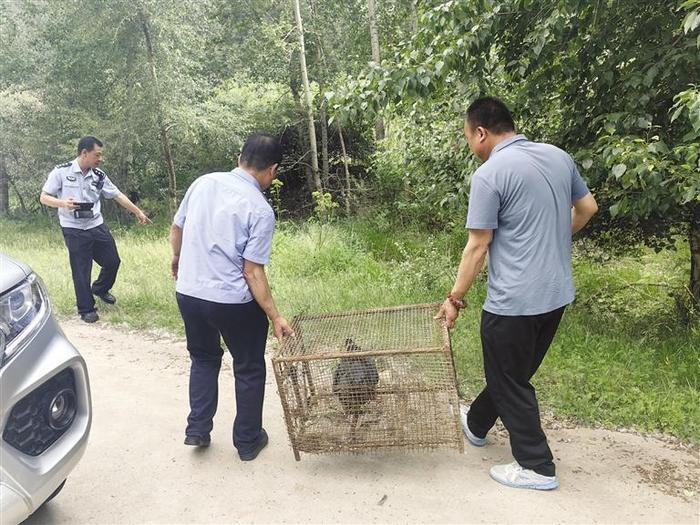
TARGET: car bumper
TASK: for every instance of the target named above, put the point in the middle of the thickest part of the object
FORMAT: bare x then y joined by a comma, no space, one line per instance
13,507
27,481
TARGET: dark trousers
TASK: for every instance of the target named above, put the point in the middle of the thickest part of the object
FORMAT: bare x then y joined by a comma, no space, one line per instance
514,347
244,330
84,246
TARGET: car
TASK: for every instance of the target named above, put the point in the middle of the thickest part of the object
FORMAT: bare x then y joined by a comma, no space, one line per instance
45,405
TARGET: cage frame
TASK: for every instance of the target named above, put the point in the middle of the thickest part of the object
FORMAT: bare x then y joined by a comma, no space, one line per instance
285,354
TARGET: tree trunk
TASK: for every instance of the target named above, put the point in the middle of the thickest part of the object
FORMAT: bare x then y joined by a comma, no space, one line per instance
123,163
305,161
4,188
19,195
324,146
11,183
307,98
374,37
304,139
348,188
323,117
164,129
694,240
414,16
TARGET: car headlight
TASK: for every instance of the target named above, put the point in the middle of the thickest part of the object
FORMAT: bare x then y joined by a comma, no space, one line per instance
20,310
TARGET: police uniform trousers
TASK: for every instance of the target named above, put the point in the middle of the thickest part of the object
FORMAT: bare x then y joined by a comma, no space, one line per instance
243,328
84,246
513,348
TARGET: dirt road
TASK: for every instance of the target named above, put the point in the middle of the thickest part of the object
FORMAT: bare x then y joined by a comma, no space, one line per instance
136,469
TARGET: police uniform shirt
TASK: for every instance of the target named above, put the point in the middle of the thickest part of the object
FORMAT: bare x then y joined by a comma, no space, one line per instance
67,180
225,220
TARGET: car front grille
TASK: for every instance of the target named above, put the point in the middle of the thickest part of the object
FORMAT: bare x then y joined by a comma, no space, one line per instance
29,428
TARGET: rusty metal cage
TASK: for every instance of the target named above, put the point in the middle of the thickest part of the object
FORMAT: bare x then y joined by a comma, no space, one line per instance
357,381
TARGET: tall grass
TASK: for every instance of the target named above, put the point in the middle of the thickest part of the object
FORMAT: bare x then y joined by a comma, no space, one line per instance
621,357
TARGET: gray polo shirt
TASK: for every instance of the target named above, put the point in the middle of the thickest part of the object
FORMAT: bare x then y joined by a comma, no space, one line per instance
225,219
524,193
67,180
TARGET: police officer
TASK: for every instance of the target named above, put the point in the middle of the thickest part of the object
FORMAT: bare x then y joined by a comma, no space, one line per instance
221,238
75,189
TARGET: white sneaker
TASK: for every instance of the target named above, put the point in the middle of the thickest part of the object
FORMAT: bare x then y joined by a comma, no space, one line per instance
516,476
474,440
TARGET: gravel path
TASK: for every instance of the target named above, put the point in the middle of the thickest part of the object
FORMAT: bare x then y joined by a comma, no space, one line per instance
136,469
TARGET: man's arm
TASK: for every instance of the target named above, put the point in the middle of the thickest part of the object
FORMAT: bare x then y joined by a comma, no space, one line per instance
176,245
256,278
582,211
125,203
471,264
50,200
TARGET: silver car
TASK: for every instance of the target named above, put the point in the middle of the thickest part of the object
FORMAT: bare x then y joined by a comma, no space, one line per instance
45,410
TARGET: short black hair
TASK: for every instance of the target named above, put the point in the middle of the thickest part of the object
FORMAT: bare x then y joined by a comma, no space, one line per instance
260,151
88,143
490,113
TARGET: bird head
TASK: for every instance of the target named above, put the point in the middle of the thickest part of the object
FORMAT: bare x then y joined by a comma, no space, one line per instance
350,346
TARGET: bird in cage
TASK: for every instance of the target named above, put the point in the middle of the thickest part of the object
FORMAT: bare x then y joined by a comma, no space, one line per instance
355,382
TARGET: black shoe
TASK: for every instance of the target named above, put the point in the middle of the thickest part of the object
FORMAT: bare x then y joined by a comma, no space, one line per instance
197,441
90,317
261,444
107,298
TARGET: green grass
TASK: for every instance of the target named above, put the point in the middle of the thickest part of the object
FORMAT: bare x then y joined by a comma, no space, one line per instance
622,356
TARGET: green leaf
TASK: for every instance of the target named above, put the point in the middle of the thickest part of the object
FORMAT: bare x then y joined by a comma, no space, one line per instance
692,21
677,112
649,77
619,170
587,163
658,147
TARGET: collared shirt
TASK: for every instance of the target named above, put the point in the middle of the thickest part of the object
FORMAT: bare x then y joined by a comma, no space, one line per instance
524,193
67,180
225,219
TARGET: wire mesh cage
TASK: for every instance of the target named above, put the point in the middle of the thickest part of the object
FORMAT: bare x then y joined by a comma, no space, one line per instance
364,380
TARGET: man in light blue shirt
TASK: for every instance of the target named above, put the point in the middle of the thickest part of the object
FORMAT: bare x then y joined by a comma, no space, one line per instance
75,189
221,239
526,201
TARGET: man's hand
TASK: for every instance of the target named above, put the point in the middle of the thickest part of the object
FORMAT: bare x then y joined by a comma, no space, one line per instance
49,200
281,328
143,218
69,203
448,313
174,266
129,206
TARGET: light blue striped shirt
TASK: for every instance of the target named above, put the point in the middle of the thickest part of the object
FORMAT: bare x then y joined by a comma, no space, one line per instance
225,219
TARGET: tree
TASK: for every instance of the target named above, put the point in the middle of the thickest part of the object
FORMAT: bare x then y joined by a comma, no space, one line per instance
307,97
19,148
144,22
374,38
610,82
122,72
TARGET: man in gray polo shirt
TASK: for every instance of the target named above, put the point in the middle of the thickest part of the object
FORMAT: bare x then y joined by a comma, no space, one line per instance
526,201
221,239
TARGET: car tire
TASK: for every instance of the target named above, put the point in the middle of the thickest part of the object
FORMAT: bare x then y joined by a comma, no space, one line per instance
55,492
